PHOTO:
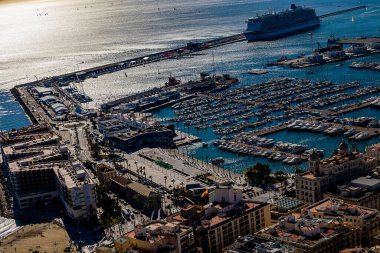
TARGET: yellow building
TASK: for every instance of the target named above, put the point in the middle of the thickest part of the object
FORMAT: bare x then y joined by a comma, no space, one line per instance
312,235
105,173
158,236
325,175
373,151
367,219
221,230
364,191
103,250
221,222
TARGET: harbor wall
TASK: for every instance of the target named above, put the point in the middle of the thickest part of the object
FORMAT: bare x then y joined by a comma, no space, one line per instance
17,96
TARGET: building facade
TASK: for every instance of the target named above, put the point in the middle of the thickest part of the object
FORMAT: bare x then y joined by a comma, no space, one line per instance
325,175
40,172
218,224
156,237
367,219
312,235
138,195
105,173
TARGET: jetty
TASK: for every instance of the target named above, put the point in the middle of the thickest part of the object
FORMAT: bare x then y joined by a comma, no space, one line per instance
362,40
176,53
343,11
365,65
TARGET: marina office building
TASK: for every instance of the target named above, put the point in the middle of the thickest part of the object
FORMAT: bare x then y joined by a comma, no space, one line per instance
324,175
40,172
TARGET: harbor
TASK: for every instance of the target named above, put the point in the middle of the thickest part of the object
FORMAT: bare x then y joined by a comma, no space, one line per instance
262,108
332,54
190,49
178,130
215,111
242,120
364,65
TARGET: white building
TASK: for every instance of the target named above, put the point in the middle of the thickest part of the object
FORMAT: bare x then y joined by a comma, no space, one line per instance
77,193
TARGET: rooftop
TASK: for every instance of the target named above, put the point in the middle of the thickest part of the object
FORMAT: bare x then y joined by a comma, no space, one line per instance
157,230
287,204
367,182
216,213
341,158
337,207
304,232
251,244
140,188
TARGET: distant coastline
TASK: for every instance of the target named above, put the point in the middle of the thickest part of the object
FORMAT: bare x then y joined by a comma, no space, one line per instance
12,1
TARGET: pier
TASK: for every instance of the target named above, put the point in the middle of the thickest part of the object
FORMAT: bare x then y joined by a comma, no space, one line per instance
175,53
343,11
366,65
363,40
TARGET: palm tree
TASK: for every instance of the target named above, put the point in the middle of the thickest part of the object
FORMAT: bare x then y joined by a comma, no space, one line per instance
173,180
165,178
151,177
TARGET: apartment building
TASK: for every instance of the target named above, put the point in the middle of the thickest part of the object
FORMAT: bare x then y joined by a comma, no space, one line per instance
324,175
367,219
218,224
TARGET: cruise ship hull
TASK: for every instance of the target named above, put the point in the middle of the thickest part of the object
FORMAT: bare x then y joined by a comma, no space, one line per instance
253,36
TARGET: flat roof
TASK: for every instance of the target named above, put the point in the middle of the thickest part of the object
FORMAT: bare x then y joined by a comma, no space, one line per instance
47,98
365,182
337,206
287,203
140,188
40,89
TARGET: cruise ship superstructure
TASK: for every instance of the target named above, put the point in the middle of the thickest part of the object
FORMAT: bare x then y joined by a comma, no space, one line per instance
274,25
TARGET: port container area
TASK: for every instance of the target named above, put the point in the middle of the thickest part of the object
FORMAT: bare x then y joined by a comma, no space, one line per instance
266,109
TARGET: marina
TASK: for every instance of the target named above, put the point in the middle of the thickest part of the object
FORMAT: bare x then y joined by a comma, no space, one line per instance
163,125
244,119
263,108
330,55
364,65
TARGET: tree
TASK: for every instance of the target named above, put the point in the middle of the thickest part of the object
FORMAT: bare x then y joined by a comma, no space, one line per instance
298,171
259,174
165,178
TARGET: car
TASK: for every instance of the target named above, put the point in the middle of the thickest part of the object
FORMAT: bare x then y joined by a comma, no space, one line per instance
136,212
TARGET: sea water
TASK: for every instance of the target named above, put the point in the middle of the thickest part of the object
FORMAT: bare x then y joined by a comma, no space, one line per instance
43,38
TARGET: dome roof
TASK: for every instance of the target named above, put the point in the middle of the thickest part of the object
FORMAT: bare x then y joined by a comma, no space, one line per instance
343,146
